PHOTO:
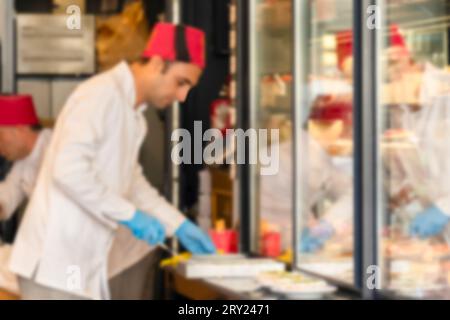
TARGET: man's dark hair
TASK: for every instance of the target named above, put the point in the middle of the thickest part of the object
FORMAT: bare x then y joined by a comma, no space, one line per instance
36,127
144,60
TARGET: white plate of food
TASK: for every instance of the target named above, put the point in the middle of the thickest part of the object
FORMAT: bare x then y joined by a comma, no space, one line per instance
301,292
295,285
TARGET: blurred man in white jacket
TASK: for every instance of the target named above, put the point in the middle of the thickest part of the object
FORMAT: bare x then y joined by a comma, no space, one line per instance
24,143
323,180
91,182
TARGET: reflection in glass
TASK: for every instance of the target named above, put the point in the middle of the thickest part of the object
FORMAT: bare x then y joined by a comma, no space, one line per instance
326,240
273,76
414,144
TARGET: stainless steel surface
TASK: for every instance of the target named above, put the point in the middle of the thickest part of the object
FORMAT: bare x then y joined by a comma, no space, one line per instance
300,56
40,90
175,119
378,45
7,13
45,45
242,192
253,120
61,89
49,95
365,102
174,12
214,266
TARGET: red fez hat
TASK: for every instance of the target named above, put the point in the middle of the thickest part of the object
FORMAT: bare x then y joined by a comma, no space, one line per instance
177,43
332,109
397,39
16,110
344,41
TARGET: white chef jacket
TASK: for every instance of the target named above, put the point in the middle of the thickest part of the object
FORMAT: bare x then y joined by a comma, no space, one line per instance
90,180
18,185
431,128
19,182
321,179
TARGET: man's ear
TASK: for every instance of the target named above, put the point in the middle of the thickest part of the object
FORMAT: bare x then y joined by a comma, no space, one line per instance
157,64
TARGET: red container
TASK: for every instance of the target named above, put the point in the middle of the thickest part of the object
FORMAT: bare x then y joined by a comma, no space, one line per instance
271,244
225,241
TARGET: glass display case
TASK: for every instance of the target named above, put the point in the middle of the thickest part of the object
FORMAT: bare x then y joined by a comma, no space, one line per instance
363,117
325,243
325,140
271,52
413,142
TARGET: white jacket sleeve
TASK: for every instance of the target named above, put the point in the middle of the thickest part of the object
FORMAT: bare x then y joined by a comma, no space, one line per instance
323,175
339,183
11,193
147,199
77,139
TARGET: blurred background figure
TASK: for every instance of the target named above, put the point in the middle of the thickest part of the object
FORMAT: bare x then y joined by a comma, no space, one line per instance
328,173
416,148
22,142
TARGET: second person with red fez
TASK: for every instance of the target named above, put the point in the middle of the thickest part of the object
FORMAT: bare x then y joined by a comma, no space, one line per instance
91,182
23,142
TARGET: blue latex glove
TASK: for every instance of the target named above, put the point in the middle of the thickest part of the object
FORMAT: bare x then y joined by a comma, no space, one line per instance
194,239
323,230
146,228
309,243
429,222
314,238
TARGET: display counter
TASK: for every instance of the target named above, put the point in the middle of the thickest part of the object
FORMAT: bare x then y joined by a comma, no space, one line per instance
177,286
5,295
